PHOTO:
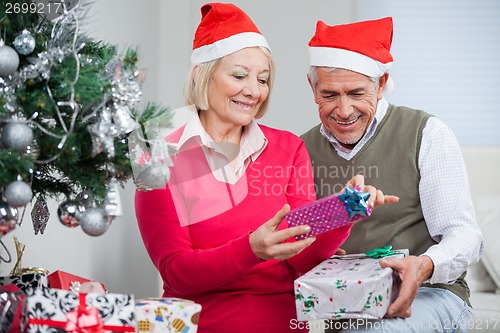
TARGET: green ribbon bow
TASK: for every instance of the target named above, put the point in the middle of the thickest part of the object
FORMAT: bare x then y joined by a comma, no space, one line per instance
381,252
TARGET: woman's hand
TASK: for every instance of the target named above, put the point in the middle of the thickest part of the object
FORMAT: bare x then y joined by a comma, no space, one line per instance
340,252
269,243
377,198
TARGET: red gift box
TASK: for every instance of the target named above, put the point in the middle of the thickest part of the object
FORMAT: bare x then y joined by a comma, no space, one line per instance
67,281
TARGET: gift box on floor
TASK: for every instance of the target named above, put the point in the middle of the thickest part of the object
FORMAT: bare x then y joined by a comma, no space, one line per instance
59,311
155,315
67,281
11,302
330,212
350,286
27,280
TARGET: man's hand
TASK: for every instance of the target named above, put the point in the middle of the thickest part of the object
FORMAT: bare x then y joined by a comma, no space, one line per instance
377,198
413,271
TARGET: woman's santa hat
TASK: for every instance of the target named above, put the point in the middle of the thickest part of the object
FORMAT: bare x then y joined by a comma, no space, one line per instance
362,47
224,29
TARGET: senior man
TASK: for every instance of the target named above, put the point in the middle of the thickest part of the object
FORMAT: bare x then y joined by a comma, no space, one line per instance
405,152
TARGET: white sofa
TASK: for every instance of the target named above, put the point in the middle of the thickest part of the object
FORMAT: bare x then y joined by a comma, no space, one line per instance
483,166
484,277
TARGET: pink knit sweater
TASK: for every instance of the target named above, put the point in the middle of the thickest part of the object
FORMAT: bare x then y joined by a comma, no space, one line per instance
211,261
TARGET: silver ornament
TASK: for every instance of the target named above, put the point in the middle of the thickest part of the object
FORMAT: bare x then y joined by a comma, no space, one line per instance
85,198
153,176
17,136
122,119
112,202
40,215
9,60
126,89
102,134
69,213
24,43
8,218
94,222
18,194
33,149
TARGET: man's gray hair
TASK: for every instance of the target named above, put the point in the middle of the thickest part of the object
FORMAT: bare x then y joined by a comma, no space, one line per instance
313,74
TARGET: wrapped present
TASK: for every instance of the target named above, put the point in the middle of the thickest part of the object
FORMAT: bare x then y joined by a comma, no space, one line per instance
59,311
30,278
167,315
350,286
11,301
67,281
25,278
330,212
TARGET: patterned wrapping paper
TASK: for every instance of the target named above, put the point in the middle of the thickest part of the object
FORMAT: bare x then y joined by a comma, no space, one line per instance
167,315
350,286
330,212
48,310
11,301
26,281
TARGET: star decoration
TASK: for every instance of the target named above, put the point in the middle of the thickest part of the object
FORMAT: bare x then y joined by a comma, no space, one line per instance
355,202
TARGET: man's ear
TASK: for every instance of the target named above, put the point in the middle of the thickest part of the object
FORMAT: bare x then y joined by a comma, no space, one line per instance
382,81
313,88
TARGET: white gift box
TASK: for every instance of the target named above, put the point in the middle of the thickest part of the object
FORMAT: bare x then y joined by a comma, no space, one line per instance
350,286
48,310
167,315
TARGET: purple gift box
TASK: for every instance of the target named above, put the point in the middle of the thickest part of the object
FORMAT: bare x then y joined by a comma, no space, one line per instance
330,212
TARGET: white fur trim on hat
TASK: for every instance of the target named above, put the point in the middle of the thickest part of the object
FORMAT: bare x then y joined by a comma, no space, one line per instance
227,46
340,58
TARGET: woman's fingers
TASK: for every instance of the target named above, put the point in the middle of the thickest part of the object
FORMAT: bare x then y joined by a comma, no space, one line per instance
268,242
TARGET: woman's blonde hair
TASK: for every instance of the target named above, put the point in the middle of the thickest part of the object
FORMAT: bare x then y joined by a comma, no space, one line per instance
196,89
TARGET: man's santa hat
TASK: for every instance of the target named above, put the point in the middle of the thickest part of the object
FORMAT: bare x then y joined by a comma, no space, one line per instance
362,47
224,29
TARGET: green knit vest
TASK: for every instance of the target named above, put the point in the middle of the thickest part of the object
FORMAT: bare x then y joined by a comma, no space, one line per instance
388,161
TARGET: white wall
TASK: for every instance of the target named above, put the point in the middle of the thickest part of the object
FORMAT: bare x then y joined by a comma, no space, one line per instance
446,61
163,31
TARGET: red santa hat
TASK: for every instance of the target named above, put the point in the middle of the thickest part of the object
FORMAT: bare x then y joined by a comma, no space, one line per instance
363,47
224,29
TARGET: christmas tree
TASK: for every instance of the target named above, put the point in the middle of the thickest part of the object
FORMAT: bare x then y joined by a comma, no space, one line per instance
68,108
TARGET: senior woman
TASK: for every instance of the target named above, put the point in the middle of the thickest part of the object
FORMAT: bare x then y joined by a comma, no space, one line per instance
215,232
